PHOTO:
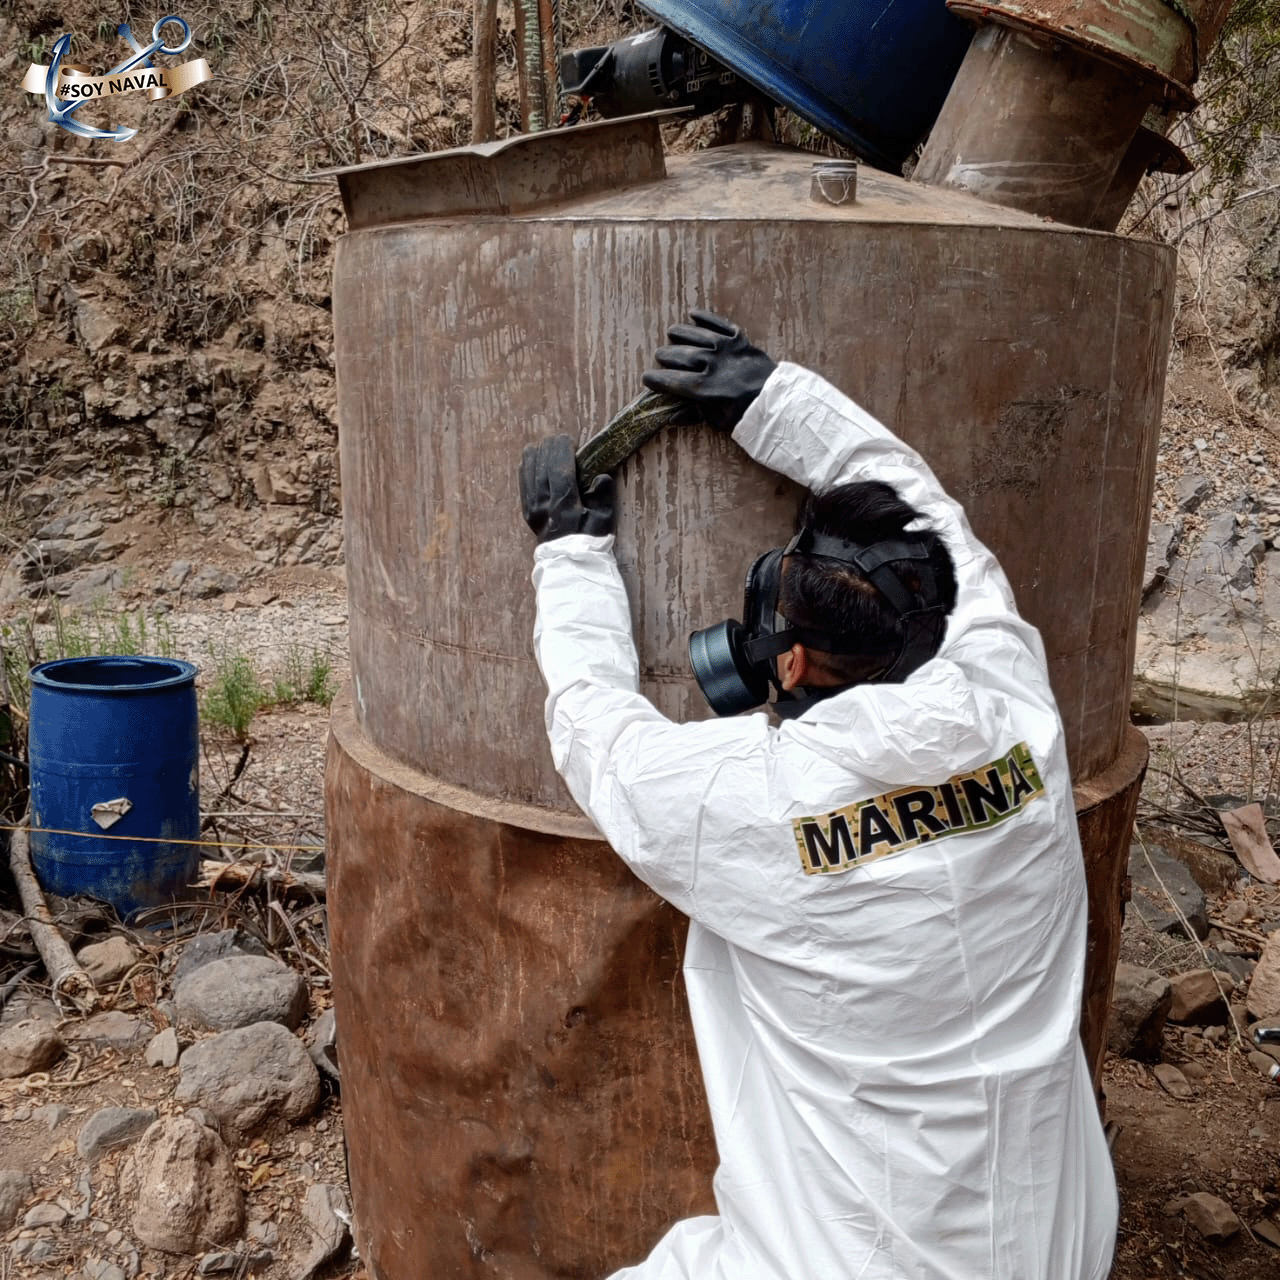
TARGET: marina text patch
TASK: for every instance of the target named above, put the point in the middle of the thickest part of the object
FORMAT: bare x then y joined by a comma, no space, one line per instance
911,816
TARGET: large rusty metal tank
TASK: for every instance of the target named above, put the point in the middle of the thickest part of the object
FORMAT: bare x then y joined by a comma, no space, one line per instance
520,1087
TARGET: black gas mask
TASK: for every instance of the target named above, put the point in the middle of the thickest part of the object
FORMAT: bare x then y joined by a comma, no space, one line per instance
734,662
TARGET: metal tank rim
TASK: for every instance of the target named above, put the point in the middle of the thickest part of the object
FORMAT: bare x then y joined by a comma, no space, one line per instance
360,747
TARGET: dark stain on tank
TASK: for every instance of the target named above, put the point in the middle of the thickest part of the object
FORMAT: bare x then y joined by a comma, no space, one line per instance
1027,431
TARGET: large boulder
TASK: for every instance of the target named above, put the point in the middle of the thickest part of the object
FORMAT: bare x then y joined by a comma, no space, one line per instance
186,1192
238,991
15,1190
1140,1000
250,1076
1263,1000
29,1046
1200,998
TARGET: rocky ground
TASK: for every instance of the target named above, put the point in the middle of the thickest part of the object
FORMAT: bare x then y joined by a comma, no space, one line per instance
191,1124
184,1127
176,462
1194,1113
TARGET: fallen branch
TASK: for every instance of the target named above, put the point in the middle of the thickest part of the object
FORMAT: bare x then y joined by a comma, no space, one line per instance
66,977
1249,935
228,876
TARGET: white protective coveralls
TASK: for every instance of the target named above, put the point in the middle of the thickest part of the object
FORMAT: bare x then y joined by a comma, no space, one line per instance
887,908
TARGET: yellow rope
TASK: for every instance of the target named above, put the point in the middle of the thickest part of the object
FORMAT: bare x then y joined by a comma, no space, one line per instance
207,844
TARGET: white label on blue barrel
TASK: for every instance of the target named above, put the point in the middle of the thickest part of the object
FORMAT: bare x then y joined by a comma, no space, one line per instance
106,813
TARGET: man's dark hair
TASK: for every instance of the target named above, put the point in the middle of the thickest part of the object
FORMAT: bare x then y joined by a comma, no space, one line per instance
836,597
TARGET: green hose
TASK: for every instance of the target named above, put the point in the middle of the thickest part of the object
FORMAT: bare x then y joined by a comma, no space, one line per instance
628,430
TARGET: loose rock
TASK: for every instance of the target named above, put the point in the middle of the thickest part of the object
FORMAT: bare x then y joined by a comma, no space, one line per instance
327,1213
213,1264
112,1127
29,1046
207,947
112,1028
241,990
1264,1064
15,1190
249,1076
1238,966
163,1049
1263,1000
1140,1001
1213,870
187,1193
1200,998
1159,882
107,962
1192,491
1269,1230
1173,1082
263,1231
322,1044
52,1113
26,1006
101,1269
175,575
34,1249
1211,1216
45,1214
210,581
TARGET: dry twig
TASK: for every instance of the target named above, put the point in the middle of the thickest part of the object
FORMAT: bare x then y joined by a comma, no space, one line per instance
229,876
66,977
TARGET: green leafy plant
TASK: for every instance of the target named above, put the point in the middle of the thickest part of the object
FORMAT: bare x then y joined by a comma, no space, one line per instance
23,643
17,311
100,631
307,677
234,695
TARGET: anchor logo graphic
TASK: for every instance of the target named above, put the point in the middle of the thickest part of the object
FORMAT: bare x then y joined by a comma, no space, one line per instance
61,112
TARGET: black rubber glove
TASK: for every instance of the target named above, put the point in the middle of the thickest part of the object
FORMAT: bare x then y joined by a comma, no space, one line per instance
549,496
712,363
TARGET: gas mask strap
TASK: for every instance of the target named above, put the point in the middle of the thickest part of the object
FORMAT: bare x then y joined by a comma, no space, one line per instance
922,635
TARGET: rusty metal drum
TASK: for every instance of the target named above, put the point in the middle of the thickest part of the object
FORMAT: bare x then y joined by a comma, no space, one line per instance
519,1080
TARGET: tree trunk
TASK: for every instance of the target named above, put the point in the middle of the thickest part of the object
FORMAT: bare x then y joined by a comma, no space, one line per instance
484,37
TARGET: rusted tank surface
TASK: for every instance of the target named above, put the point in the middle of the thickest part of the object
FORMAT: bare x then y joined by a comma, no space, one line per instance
1035,129
1046,111
520,1088
1025,361
1159,40
519,1078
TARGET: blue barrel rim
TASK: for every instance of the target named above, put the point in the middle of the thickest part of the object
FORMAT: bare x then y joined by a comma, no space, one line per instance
775,80
179,672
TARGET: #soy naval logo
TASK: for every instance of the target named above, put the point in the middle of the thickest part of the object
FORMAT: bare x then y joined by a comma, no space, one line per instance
67,87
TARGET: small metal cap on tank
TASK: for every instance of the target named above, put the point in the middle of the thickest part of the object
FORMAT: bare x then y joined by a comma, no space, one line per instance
834,182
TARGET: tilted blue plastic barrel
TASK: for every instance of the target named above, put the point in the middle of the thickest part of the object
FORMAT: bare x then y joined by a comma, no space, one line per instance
114,752
872,73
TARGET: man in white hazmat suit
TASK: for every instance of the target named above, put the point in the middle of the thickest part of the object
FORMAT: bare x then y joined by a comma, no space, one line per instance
885,891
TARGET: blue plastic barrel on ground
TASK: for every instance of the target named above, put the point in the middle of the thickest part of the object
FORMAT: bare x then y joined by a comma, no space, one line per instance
872,73
114,753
